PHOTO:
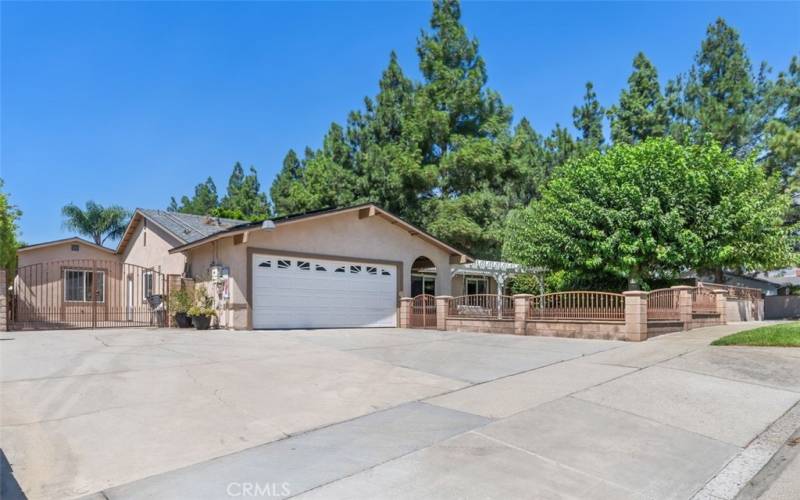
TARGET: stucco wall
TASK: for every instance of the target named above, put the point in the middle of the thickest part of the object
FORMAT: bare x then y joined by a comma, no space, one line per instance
578,329
341,235
744,310
63,251
154,252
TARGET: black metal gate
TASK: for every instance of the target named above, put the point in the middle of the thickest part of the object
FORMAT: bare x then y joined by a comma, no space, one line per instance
423,311
86,293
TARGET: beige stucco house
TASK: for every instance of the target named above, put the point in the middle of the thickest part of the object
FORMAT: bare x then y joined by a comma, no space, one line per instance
330,268
345,267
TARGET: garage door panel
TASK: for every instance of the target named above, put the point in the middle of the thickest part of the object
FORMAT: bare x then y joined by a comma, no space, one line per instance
309,293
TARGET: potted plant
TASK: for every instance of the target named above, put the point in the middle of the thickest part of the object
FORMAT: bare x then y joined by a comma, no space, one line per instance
179,304
202,311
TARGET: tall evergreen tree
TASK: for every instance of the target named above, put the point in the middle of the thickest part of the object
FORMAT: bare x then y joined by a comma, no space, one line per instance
588,119
642,109
205,199
244,199
281,190
782,156
559,148
527,156
721,92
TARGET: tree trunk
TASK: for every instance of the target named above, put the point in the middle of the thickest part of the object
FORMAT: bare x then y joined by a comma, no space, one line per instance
719,276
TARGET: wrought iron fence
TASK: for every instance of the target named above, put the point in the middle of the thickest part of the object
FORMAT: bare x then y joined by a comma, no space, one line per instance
579,306
488,306
423,312
663,304
86,293
703,301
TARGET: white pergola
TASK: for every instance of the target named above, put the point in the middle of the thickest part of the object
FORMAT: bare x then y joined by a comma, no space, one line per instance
499,271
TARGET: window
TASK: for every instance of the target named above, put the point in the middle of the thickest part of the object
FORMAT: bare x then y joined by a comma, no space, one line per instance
355,269
78,285
266,263
475,286
284,264
384,272
303,265
339,269
372,270
75,248
423,283
319,268
147,284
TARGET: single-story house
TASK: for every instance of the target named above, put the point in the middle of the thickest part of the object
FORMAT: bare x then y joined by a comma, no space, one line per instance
344,267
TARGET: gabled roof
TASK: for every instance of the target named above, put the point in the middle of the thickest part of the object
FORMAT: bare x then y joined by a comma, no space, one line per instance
186,228
364,210
73,239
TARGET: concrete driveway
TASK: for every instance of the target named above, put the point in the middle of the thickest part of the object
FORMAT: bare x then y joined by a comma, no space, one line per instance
386,414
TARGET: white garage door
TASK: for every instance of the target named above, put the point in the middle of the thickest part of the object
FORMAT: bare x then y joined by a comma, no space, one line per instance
299,292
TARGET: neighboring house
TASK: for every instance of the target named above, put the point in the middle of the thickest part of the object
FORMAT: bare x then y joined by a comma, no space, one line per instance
768,286
344,267
151,234
62,250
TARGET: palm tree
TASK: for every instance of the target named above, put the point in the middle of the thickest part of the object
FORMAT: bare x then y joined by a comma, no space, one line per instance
96,221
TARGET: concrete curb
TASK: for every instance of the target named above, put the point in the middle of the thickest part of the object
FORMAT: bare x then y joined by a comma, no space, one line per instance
737,473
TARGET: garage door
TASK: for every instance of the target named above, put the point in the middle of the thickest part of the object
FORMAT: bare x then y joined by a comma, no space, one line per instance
292,292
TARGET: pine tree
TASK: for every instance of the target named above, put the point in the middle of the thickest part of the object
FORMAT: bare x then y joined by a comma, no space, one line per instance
559,148
244,199
782,134
721,91
642,110
281,190
205,199
588,119
529,163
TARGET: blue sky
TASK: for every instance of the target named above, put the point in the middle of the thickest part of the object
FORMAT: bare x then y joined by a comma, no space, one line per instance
131,103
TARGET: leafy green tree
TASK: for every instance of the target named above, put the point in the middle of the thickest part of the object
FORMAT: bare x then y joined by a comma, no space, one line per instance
205,200
244,198
588,119
9,232
96,221
642,109
645,212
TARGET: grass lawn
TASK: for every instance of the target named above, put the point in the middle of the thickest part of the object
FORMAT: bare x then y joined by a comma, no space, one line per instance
787,335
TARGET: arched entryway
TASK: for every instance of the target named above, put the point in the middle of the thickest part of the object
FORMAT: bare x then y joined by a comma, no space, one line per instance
423,277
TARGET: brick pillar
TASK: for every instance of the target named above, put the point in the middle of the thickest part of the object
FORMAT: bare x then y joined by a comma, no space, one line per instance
442,307
635,315
404,321
522,301
684,305
721,298
3,301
